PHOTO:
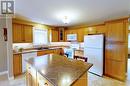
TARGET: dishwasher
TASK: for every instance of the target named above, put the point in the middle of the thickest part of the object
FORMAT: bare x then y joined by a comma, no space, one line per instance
26,56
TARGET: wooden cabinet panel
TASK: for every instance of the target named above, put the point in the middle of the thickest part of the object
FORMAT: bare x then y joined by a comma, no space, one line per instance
116,48
17,33
53,51
115,69
82,81
44,52
22,33
58,51
17,64
55,35
28,33
116,31
116,51
101,29
80,35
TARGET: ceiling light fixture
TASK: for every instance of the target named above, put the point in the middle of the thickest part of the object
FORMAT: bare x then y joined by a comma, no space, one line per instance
65,20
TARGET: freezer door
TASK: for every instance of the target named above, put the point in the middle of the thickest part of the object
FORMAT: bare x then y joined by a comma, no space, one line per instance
95,56
93,41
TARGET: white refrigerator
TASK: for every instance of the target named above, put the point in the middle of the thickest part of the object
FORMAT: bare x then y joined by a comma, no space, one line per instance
94,51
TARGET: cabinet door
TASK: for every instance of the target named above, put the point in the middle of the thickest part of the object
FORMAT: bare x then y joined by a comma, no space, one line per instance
17,33
116,51
80,35
28,33
55,35
100,29
116,31
115,69
17,64
44,52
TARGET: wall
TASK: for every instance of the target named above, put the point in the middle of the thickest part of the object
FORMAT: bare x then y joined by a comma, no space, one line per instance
9,48
3,47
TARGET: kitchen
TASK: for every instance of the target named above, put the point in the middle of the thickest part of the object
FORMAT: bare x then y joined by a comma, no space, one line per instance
106,42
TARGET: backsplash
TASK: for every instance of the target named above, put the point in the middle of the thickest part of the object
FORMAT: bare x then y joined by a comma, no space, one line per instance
22,45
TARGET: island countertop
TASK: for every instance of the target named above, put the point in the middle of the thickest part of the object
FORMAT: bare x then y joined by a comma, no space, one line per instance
59,70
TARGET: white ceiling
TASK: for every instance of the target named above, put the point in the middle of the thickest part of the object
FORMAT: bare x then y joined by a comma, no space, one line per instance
79,12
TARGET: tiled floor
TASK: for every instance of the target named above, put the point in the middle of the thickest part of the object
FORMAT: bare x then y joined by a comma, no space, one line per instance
93,80
19,81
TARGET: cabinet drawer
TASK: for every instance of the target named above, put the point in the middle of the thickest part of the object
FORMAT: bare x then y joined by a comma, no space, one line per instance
43,81
44,52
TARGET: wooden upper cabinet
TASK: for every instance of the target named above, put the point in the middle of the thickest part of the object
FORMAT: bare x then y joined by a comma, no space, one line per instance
22,33
17,33
115,31
28,33
55,35
80,35
101,29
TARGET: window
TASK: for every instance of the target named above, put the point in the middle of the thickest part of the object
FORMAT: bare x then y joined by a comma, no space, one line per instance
40,36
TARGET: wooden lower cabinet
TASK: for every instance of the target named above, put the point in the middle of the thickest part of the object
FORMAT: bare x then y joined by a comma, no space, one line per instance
50,51
34,78
44,52
17,59
115,69
83,81
17,64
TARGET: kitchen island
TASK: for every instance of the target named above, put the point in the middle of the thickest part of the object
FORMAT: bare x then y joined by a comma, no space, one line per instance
56,70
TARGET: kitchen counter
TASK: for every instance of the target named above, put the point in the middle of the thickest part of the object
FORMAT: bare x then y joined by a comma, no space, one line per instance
35,50
59,70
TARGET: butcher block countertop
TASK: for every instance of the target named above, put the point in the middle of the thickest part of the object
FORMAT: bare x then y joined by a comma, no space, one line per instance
56,68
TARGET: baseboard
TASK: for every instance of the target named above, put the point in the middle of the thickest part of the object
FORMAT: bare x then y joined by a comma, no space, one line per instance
3,73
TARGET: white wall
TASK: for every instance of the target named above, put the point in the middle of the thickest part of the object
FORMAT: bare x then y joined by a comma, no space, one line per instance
3,47
9,47
6,51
